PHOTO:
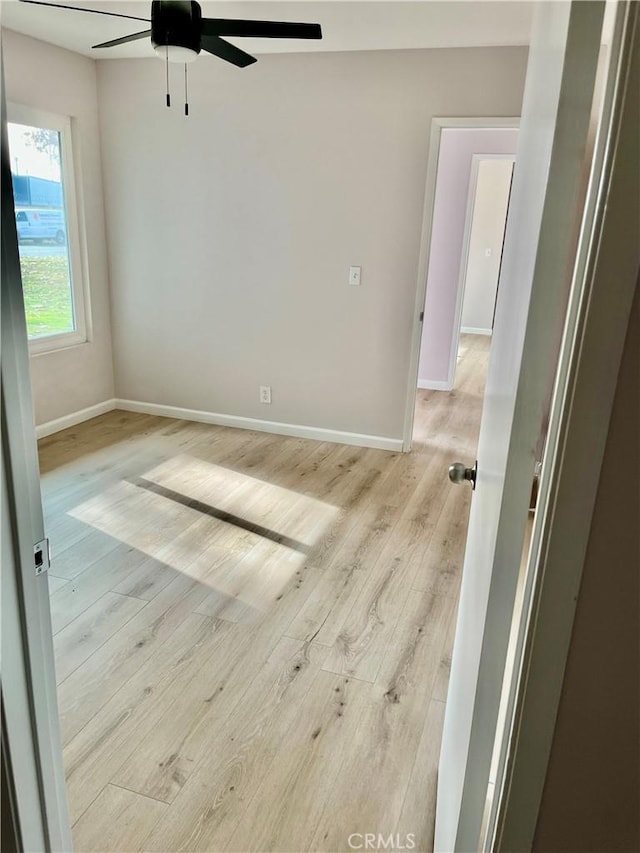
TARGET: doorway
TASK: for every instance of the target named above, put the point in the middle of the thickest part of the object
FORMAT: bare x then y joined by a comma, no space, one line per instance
486,219
489,192
456,148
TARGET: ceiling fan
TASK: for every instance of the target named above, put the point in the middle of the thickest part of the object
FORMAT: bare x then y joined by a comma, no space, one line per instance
179,32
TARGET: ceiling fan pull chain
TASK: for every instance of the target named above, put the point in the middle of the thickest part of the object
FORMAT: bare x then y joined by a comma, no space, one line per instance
186,99
167,63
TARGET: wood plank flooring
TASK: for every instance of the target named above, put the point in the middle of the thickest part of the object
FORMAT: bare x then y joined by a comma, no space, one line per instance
253,632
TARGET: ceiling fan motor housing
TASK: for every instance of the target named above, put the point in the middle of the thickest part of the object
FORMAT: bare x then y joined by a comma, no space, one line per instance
176,24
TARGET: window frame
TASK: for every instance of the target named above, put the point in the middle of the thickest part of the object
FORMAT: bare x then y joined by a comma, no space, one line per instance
62,124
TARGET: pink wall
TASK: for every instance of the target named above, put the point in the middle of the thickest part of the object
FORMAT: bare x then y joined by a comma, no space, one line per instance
457,146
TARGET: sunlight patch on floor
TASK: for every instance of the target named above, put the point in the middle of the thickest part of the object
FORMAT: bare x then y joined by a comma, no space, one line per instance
240,536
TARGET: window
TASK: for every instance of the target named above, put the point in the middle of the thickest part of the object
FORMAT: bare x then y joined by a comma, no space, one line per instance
47,226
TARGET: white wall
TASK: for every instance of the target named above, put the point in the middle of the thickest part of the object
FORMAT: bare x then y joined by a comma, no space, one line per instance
487,234
45,77
231,232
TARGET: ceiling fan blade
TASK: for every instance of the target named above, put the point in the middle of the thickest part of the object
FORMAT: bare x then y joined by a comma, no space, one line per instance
123,40
79,9
220,47
260,29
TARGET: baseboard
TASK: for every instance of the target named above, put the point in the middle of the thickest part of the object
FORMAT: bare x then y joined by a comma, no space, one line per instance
48,428
471,330
434,385
319,434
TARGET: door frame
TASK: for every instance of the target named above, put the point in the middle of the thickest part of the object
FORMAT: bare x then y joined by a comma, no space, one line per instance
604,282
438,124
31,724
563,63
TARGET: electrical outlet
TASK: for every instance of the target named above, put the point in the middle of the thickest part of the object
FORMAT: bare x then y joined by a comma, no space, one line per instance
265,393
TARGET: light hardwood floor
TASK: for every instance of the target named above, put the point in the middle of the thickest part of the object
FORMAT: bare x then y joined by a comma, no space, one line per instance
253,633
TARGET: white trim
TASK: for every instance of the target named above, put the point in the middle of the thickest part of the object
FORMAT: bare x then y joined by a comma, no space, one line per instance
437,125
66,421
298,430
471,330
379,442
31,720
434,385
579,422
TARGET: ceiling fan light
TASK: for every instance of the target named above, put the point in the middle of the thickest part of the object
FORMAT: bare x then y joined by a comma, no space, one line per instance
175,53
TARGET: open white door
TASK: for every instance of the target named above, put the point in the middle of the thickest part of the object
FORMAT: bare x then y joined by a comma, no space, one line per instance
32,751
538,256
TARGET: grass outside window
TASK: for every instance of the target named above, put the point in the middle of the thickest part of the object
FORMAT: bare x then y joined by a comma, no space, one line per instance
47,298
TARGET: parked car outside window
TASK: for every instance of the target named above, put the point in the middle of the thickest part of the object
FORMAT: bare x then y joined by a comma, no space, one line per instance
41,224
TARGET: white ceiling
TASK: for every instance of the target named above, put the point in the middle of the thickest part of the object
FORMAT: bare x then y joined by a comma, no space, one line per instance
352,25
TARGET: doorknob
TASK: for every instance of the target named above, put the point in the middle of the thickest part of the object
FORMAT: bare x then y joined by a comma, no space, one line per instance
458,473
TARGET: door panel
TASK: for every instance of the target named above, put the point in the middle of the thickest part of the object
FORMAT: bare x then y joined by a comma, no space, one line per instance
30,705
537,259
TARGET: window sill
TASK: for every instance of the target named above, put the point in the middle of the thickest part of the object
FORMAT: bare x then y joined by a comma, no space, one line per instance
47,346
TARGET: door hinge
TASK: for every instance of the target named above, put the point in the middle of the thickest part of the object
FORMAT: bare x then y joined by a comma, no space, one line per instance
421,316
42,556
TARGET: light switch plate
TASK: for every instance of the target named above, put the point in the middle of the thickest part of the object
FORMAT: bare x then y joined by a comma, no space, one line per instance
354,275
